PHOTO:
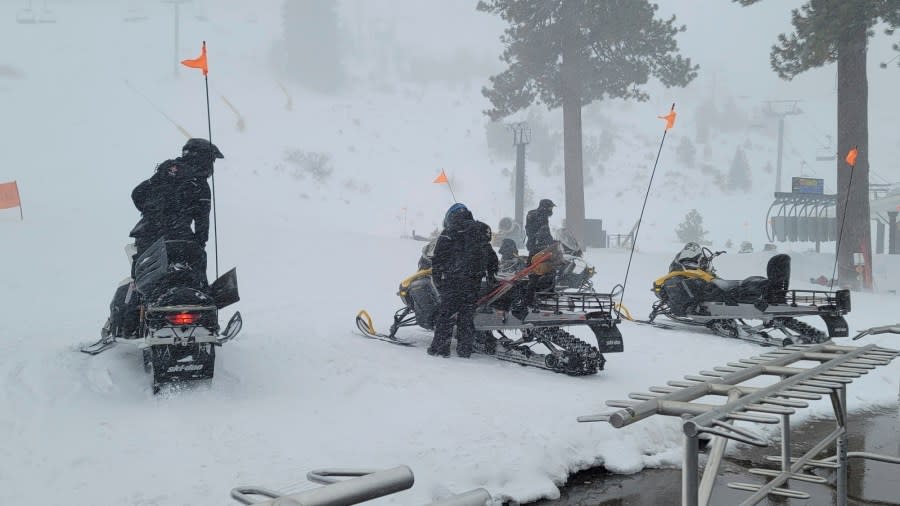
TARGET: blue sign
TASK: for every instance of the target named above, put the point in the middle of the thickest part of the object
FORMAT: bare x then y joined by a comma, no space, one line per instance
808,185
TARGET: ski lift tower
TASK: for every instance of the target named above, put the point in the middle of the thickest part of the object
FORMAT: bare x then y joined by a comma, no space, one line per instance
175,12
781,109
521,138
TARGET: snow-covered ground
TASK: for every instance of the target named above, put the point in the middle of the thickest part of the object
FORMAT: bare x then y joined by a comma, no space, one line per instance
300,388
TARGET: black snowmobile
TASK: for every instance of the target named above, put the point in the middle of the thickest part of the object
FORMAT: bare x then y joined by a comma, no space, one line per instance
502,310
172,312
692,294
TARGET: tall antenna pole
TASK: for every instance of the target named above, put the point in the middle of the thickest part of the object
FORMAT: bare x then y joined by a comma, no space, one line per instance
788,108
521,138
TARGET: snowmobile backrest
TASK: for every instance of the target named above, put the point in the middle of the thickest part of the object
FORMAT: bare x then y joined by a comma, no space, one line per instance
166,257
151,266
779,273
225,289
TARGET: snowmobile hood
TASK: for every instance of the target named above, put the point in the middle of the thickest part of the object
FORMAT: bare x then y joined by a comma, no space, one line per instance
690,273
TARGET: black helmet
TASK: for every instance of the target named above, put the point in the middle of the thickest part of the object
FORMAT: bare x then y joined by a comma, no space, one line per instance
546,204
197,146
508,247
456,208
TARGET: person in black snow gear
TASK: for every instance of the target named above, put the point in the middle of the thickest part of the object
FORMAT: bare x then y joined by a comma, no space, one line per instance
537,227
489,263
510,261
457,268
175,197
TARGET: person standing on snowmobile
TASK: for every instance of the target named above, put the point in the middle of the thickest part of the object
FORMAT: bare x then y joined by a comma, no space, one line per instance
537,227
457,268
175,197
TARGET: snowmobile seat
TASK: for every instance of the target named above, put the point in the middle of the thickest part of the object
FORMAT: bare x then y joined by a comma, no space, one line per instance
745,290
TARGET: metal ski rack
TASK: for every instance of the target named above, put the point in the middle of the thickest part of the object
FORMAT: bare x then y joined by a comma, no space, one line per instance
361,485
774,404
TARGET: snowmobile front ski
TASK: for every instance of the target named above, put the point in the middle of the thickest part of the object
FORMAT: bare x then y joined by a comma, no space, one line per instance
100,346
365,326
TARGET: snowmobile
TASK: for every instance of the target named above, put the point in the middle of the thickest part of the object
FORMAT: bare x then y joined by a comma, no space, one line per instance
574,272
503,310
177,316
692,294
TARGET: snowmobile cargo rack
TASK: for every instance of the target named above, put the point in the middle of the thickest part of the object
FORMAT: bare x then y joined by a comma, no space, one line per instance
837,367
362,485
595,304
837,302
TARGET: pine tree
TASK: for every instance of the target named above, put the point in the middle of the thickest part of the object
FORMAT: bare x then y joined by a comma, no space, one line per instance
312,43
829,31
739,178
569,53
691,229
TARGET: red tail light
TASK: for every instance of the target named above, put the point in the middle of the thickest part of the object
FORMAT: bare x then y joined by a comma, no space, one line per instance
183,318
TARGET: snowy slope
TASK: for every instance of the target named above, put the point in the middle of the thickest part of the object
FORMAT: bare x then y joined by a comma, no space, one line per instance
299,389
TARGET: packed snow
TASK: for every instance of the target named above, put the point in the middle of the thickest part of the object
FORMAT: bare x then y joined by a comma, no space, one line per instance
300,388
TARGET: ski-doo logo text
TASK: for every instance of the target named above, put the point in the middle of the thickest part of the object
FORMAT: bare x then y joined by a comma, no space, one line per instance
184,367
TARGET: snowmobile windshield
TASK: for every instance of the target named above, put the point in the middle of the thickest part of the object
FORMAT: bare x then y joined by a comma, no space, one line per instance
690,257
569,243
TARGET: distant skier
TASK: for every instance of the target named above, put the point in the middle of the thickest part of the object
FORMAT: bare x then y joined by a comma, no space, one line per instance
537,227
458,266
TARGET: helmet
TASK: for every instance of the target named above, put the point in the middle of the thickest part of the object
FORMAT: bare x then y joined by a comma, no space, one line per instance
485,230
508,247
546,204
455,208
197,146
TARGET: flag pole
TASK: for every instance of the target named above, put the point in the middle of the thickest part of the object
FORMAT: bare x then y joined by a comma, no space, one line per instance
837,245
670,121
19,198
450,187
215,221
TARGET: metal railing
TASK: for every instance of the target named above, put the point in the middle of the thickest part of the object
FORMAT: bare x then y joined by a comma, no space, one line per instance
774,404
361,485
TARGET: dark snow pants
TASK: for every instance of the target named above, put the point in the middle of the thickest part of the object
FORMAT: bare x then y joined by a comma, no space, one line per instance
456,309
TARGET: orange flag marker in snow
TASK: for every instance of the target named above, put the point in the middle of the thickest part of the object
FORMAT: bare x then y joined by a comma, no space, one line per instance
198,62
851,156
9,197
670,118
442,179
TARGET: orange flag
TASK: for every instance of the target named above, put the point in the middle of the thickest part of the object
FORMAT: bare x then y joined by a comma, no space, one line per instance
851,157
442,178
9,195
670,118
199,62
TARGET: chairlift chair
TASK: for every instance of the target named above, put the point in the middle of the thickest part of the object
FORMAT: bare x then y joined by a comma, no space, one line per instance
46,15
26,15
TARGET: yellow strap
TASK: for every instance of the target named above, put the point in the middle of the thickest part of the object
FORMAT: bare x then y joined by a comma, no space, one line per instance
624,312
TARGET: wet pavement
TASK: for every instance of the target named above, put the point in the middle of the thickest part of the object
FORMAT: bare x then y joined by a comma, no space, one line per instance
875,483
